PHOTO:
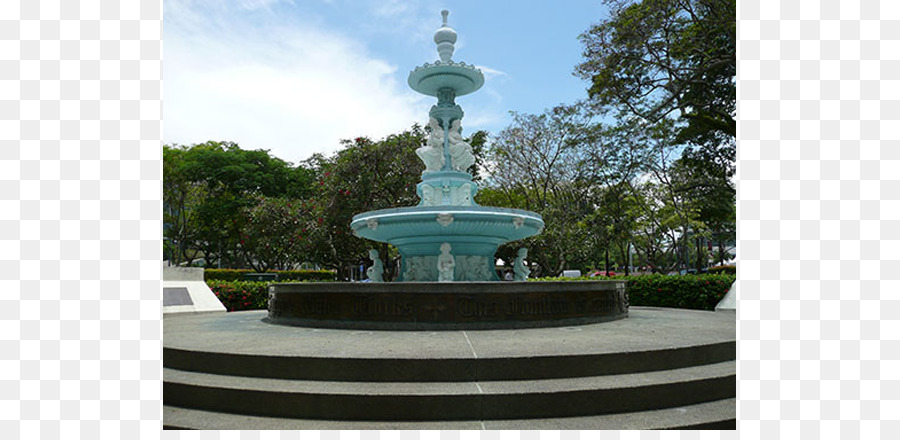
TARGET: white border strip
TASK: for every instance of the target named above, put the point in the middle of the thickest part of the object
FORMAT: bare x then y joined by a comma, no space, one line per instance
394,214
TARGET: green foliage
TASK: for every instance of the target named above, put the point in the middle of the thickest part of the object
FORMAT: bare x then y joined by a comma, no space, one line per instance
730,270
283,275
665,69
659,58
701,292
366,175
547,163
698,292
241,295
274,235
208,190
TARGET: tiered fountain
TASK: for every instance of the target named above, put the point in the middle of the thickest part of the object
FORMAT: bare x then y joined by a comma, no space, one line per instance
447,244
447,237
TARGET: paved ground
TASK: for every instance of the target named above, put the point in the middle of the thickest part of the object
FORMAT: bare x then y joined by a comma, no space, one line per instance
646,328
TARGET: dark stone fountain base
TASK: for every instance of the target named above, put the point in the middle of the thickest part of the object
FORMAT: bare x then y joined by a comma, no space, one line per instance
446,306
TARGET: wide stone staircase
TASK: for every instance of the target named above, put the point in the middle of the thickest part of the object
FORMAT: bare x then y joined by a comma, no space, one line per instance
600,376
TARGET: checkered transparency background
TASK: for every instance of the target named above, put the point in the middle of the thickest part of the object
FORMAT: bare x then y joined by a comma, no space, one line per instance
80,225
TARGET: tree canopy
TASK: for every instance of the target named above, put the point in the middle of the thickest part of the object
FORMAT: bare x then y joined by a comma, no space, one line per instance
654,59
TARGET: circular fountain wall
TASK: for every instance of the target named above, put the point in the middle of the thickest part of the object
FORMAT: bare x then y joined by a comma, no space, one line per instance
446,306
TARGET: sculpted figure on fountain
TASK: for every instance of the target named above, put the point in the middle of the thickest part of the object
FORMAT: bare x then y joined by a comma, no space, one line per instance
432,154
445,264
376,272
461,157
521,271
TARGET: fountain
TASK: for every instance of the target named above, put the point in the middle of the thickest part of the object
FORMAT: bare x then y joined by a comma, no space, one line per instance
447,216
447,244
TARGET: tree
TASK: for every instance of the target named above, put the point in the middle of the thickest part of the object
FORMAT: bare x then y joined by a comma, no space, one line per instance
613,221
273,236
181,199
366,175
659,58
707,182
547,163
223,182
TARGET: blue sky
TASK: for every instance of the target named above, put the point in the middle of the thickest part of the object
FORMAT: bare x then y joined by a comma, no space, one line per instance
296,76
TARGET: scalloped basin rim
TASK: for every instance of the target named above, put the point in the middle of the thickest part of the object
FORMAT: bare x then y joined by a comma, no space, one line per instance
462,78
430,210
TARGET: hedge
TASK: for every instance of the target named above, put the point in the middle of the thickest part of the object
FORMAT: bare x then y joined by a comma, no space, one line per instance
283,275
699,292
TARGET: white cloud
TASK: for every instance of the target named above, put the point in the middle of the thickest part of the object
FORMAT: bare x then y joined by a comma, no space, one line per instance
286,86
257,4
491,73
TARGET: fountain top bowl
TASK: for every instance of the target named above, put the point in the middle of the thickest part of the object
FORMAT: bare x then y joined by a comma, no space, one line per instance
429,78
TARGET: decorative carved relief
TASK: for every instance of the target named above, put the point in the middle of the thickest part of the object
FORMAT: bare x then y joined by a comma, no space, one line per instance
444,219
428,196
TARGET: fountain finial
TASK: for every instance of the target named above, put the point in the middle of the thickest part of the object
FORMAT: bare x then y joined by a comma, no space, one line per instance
445,37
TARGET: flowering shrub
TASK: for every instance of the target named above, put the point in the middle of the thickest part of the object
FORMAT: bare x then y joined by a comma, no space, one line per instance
241,295
699,292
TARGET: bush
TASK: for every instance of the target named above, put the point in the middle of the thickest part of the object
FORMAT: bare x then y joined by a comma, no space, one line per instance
245,295
699,292
283,275
730,270
241,295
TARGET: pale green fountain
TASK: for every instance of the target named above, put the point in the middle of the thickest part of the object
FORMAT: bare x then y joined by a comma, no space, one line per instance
447,237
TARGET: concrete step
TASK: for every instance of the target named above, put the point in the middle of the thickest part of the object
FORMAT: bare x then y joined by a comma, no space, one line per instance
446,369
718,414
481,400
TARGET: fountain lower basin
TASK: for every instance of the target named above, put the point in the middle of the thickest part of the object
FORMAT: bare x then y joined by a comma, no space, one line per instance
473,232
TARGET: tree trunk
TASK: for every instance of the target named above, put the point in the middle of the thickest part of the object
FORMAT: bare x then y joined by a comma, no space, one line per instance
607,261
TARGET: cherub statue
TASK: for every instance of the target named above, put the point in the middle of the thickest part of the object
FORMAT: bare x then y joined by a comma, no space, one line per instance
376,272
461,157
445,264
519,268
432,154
